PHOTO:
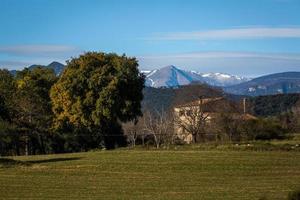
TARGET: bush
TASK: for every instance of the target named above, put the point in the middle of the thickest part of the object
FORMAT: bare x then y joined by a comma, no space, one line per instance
269,129
264,129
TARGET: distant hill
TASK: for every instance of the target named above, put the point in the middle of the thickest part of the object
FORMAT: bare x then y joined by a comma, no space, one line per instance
56,66
272,105
279,83
156,99
13,72
171,76
165,98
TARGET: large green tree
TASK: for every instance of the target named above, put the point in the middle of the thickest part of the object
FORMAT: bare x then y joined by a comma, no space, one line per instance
96,92
7,90
32,101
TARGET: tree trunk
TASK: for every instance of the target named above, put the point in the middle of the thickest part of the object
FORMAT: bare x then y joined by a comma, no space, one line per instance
157,145
156,142
133,142
194,138
42,145
17,147
26,145
143,140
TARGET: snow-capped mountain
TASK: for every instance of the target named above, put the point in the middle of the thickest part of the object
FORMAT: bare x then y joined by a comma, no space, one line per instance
171,76
222,79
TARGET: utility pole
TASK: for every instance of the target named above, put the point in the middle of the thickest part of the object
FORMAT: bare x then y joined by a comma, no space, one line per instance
244,105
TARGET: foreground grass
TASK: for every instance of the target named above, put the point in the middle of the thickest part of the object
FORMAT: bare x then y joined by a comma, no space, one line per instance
138,174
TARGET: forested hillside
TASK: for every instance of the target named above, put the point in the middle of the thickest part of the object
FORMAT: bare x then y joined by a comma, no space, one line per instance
272,105
166,98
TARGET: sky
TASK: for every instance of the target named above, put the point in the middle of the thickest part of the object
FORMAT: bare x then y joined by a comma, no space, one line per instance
241,37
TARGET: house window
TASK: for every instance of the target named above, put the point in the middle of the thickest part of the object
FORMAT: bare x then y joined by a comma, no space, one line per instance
189,113
181,113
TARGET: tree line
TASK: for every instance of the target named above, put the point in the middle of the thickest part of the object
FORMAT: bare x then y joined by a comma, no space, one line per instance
81,109
220,122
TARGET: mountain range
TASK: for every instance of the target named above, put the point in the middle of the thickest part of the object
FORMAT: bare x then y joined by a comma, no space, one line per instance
171,76
279,83
56,66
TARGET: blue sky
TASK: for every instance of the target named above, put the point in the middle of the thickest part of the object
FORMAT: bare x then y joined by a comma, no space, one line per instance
242,37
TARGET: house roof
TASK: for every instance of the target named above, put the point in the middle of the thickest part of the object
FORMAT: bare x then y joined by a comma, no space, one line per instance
215,106
199,102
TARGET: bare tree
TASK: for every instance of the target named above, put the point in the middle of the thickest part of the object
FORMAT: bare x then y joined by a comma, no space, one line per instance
192,119
160,126
131,130
296,117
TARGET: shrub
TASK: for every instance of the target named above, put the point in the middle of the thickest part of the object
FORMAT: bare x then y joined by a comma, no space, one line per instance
264,129
268,129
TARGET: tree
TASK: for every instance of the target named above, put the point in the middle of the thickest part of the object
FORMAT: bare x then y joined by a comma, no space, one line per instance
8,138
7,90
25,108
266,129
97,91
229,125
132,130
193,120
295,119
160,126
32,102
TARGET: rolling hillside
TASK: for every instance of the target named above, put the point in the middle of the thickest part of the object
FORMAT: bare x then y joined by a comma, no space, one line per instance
56,66
279,83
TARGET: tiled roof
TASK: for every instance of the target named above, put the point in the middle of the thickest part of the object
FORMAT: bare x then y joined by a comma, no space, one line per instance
199,102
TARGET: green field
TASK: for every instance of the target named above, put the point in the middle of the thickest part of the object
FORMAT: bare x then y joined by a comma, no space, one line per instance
140,174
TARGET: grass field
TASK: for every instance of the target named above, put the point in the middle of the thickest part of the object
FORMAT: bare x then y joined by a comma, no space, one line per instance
140,174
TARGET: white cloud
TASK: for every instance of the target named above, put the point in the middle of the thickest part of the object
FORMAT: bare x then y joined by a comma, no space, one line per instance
19,64
221,54
235,33
8,64
38,50
20,56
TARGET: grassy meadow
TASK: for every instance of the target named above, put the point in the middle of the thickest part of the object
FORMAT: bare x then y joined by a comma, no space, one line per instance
152,174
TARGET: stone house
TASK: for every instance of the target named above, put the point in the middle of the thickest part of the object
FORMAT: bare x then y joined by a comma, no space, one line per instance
196,116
